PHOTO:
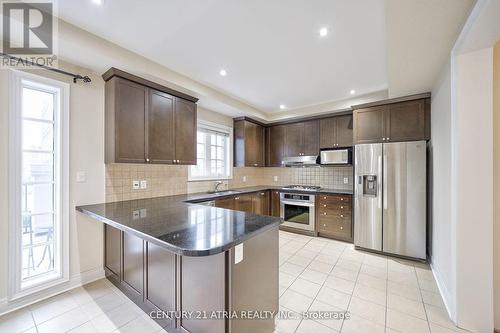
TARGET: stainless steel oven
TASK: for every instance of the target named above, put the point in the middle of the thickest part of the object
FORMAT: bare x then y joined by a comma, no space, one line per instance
297,210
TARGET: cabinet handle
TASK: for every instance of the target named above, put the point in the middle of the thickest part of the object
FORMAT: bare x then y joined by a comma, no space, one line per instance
383,139
324,198
147,159
341,215
341,199
388,139
237,198
262,193
341,207
341,228
324,205
324,225
324,213
255,164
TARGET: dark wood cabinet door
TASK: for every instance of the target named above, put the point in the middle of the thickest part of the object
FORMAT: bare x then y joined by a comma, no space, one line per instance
327,132
254,145
112,254
133,264
344,131
160,278
310,138
227,203
185,131
261,203
276,145
243,203
161,128
369,124
406,121
275,203
293,139
130,117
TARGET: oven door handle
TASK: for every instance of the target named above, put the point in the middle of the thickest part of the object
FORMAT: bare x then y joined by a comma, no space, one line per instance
297,203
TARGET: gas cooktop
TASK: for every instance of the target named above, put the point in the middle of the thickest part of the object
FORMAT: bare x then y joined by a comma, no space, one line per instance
302,187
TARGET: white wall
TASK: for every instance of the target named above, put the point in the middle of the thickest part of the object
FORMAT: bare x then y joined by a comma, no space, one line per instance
441,248
473,162
496,182
86,154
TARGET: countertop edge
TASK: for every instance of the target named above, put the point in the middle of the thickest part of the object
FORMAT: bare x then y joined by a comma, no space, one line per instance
175,249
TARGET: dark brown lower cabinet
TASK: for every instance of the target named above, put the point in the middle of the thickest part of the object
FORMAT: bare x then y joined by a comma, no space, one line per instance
260,203
112,253
133,262
334,216
275,203
203,288
227,203
158,280
243,203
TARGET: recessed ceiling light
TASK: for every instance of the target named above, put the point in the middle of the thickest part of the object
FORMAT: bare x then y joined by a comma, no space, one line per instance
352,91
223,72
98,2
282,107
323,32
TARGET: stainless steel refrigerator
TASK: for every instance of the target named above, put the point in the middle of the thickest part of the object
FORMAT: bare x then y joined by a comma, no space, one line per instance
390,198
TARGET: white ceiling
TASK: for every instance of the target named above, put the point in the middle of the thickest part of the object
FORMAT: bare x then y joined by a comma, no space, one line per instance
271,49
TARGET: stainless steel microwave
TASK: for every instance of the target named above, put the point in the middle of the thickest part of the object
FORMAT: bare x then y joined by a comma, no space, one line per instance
336,156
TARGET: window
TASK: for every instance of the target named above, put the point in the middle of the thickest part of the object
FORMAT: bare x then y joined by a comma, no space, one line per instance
213,160
38,183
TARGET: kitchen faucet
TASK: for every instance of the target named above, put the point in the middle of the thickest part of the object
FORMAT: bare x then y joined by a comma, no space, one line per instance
216,189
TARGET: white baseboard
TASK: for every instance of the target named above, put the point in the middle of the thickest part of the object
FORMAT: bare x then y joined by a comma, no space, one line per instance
443,291
75,281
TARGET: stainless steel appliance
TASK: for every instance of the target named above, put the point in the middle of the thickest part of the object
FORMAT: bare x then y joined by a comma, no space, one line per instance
390,198
302,187
336,156
297,210
300,160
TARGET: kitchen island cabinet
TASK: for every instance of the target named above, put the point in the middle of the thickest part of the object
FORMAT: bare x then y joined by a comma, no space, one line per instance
170,255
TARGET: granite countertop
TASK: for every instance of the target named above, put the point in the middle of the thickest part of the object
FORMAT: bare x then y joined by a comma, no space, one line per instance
184,226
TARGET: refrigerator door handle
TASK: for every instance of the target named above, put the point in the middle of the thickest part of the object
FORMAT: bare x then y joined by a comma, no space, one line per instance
384,181
379,182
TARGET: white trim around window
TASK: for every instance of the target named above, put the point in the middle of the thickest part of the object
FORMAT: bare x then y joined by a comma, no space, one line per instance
228,158
19,285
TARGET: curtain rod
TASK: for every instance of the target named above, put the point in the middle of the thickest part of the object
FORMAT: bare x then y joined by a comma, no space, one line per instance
75,77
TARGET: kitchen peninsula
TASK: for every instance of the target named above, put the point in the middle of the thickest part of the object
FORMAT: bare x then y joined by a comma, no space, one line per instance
177,254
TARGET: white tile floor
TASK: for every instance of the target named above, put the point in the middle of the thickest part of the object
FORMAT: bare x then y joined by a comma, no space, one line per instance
316,274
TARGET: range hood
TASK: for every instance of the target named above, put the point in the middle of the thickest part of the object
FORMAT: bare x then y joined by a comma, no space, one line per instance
300,161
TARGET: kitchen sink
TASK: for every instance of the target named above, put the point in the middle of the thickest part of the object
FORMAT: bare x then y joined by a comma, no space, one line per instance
226,192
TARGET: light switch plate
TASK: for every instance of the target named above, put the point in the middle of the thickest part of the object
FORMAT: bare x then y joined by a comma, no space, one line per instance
136,185
144,184
244,179
81,176
346,180
275,178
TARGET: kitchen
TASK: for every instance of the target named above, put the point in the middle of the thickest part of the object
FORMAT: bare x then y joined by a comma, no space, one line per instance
263,193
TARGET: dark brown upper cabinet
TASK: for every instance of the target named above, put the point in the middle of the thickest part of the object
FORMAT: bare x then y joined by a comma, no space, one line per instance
147,122
249,144
404,121
302,138
275,145
336,132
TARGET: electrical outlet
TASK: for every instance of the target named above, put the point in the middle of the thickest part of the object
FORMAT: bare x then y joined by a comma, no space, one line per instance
136,185
275,178
346,180
244,179
143,213
136,214
144,184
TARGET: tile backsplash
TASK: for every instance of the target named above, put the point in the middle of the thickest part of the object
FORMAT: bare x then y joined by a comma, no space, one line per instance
165,180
